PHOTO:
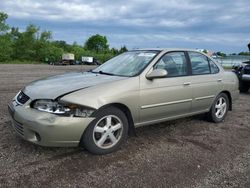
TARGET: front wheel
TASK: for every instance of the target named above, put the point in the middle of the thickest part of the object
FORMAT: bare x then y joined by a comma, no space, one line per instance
219,108
107,132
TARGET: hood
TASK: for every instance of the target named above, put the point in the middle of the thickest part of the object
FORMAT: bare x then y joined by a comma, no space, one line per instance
246,62
55,86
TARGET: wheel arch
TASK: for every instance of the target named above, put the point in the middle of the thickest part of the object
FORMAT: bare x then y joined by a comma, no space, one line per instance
126,111
229,98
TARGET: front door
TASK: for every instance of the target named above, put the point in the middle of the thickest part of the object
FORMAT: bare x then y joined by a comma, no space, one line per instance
163,98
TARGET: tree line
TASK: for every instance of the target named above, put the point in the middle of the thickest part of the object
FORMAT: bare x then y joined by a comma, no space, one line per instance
36,45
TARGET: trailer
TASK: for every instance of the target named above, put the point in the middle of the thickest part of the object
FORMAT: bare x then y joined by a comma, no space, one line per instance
68,59
89,60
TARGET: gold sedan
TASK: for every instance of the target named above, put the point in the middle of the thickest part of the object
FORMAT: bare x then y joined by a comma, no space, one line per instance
97,109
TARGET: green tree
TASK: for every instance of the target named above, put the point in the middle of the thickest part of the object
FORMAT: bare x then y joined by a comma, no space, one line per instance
204,51
3,26
114,51
97,43
78,51
38,46
244,53
5,40
49,52
14,33
46,36
25,43
42,46
123,49
62,44
6,49
221,54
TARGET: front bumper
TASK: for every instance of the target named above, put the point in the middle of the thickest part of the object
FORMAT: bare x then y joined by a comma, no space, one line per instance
46,129
246,77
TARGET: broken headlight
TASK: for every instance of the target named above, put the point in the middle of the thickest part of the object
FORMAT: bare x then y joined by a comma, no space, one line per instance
55,107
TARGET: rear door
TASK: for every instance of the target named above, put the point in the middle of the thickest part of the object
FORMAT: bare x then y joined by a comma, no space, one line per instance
206,81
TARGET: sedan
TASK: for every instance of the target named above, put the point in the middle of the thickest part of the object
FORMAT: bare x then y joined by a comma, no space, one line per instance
99,108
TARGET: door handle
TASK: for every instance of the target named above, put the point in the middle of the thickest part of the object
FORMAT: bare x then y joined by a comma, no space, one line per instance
186,83
219,80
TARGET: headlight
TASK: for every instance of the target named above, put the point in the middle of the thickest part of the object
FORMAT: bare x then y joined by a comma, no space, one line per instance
55,107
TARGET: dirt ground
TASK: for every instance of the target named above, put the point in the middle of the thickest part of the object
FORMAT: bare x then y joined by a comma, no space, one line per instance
188,152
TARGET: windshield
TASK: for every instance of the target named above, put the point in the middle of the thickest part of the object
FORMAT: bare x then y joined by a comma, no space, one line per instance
126,64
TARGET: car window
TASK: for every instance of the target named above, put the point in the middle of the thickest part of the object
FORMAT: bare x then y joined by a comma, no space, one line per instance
214,68
199,63
174,63
127,64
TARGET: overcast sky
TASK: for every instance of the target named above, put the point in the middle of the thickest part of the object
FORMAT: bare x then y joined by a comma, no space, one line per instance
217,25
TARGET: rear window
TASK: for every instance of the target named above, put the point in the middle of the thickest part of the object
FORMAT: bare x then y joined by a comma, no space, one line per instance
214,68
199,63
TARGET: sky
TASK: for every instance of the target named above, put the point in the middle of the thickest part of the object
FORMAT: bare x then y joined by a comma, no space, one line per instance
216,25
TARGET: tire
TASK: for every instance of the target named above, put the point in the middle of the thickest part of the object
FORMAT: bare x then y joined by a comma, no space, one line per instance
213,114
243,87
98,139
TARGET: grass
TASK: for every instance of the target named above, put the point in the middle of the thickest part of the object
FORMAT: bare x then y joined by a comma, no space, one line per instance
20,62
227,67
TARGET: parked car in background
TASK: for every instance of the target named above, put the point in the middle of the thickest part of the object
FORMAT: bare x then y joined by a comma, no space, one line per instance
97,109
243,72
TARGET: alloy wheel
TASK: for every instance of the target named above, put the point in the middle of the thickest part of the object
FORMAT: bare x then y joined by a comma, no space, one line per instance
107,131
220,107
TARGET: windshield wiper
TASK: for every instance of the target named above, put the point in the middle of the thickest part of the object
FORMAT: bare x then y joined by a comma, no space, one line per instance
107,73
101,72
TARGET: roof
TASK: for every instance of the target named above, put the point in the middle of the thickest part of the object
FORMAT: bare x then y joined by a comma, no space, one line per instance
166,49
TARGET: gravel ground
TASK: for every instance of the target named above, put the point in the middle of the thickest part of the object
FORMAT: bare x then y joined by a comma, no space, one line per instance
188,152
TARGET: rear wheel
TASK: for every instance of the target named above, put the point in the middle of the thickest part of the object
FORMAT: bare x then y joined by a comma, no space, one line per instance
219,108
107,132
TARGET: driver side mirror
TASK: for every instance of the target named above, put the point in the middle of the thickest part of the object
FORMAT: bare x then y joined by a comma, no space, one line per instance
157,73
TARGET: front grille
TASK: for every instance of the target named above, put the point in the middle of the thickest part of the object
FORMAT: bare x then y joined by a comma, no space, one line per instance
18,127
22,98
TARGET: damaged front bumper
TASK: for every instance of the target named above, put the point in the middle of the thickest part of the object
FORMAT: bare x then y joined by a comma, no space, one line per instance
46,129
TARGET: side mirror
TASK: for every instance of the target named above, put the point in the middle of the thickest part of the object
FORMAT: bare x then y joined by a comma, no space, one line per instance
157,73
